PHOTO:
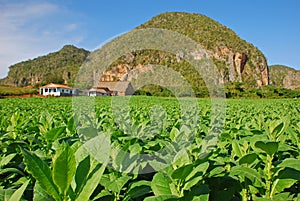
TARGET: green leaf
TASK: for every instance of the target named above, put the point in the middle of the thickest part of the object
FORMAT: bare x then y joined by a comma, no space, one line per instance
285,179
41,172
236,148
91,183
216,171
5,160
88,133
40,194
181,158
197,193
192,182
102,194
54,133
248,159
290,163
5,194
277,128
249,173
99,148
182,172
282,197
64,167
161,198
268,147
17,195
138,188
81,174
161,184
115,184
174,134
201,168
11,170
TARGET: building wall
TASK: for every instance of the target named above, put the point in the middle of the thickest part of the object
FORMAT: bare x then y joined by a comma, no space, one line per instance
56,91
94,93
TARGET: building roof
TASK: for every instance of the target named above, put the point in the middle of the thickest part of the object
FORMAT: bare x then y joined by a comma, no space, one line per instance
99,89
114,86
52,85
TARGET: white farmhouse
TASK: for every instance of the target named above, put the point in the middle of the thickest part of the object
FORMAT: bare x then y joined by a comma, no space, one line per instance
57,90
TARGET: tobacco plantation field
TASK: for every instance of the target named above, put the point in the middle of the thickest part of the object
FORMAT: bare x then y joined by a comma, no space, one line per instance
154,149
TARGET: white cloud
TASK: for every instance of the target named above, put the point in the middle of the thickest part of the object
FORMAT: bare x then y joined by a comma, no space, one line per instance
33,28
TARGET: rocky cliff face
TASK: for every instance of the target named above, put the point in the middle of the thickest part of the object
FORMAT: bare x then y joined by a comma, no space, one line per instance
283,76
234,67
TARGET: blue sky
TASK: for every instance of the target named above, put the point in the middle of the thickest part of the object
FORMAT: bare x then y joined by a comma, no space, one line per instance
32,28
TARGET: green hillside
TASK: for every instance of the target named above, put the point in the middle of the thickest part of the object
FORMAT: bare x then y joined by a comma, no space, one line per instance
236,59
204,30
58,67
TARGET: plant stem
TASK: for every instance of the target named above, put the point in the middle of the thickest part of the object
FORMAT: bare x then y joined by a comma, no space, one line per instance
269,176
245,194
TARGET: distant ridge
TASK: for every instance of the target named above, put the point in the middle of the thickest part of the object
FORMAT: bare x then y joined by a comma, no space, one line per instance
58,67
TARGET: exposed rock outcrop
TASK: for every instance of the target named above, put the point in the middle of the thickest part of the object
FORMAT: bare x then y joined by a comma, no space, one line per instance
283,76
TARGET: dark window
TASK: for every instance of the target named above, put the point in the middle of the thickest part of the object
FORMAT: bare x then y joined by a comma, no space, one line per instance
46,90
54,90
62,90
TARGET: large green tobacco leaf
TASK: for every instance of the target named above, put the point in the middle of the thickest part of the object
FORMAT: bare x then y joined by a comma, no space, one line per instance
290,163
114,183
40,194
54,133
249,173
11,194
182,172
285,179
5,194
91,183
236,148
199,169
41,172
99,147
197,193
81,175
64,167
181,158
17,195
278,127
161,184
5,160
248,159
137,189
162,198
268,147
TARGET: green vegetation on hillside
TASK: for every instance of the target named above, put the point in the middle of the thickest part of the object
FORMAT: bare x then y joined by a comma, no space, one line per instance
204,30
16,91
210,34
214,37
57,67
